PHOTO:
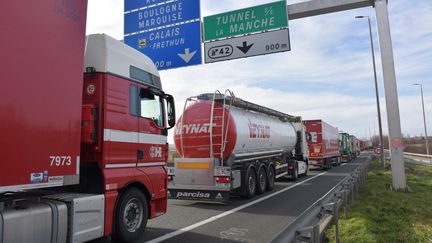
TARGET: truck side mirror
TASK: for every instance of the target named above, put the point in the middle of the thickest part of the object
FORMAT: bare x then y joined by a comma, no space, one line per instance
170,111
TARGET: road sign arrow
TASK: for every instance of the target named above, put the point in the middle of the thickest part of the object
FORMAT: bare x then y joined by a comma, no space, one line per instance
187,56
245,48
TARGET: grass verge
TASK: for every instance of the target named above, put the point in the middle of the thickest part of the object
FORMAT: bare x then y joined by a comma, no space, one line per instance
382,215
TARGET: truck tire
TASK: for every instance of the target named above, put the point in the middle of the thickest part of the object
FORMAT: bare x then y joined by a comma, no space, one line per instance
261,180
295,174
271,178
330,164
131,216
250,185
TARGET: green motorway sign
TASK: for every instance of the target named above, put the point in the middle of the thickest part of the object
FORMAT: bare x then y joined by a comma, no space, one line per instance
245,21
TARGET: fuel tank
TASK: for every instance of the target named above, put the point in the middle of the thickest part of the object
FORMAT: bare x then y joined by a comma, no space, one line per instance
198,134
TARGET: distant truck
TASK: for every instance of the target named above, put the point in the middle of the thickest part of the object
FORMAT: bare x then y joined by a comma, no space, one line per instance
83,129
231,146
345,147
323,144
355,146
365,144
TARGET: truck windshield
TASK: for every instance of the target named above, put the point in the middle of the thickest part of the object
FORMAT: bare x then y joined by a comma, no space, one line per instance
152,107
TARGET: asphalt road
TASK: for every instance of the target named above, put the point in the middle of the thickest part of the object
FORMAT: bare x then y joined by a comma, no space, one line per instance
258,219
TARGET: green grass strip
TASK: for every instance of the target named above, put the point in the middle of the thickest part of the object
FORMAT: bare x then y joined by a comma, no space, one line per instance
382,215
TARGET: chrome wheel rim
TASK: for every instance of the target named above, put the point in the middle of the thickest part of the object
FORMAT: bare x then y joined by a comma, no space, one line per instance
262,180
133,215
271,178
252,184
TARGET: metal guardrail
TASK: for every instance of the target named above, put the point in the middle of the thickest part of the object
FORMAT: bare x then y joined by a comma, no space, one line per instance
311,225
420,159
418,155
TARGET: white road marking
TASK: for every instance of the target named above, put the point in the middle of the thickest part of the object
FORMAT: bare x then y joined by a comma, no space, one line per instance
216,217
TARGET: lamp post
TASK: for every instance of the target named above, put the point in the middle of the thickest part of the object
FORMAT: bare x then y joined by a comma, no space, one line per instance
376,90
424,119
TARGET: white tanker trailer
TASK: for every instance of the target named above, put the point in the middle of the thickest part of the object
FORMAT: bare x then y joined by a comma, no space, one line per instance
228,145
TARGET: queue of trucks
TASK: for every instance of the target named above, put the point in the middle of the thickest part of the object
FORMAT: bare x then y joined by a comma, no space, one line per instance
84,124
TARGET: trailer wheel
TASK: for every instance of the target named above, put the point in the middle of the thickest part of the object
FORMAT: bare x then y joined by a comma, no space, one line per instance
328,164
271,178
250,185
295,173
261,180
131,216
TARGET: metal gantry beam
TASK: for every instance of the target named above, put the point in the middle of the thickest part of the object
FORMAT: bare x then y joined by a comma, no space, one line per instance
319,7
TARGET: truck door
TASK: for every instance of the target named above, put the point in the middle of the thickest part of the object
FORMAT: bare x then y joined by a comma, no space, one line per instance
121,124
152,146
151,128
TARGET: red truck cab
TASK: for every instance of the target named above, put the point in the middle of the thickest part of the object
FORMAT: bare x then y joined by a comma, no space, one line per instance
124,126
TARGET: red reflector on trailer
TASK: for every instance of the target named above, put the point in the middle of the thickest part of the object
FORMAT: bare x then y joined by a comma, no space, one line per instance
223,179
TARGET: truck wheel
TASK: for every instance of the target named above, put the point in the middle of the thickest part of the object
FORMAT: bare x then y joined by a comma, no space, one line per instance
295,174
261,180
250,183
271,178
131,216
327,163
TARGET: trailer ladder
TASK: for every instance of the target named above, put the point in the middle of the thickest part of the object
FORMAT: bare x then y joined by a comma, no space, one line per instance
218,126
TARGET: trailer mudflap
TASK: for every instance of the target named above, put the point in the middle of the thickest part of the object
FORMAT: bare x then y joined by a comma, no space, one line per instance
201,195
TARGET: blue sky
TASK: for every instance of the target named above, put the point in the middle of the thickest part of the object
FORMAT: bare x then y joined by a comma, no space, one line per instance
326,75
